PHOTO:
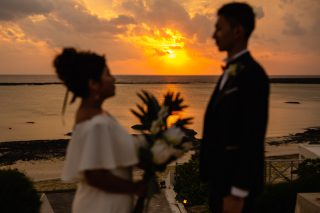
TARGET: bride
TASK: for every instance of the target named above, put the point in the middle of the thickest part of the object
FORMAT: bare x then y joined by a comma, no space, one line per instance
101,152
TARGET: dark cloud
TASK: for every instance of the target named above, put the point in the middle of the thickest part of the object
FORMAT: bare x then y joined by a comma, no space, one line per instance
160,53
16,9
258,10
123,20
315,28
273,41
83,21
141,31
71,21
256,36
10,33
136,7
200,26
286,1
292,26
170,14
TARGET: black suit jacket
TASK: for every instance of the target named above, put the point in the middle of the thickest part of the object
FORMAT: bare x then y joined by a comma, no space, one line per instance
232,149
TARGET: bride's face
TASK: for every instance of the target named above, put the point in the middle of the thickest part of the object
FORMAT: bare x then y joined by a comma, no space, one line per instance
107,88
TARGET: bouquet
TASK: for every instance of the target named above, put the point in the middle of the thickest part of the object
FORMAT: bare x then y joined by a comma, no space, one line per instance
159,144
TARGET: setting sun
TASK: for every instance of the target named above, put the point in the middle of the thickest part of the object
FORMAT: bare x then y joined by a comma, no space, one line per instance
178,57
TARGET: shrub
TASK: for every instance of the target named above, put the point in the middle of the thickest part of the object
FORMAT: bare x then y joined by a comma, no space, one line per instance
188,184
17,193
308,167
281,197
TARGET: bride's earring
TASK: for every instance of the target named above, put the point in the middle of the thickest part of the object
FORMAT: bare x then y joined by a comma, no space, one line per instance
97,96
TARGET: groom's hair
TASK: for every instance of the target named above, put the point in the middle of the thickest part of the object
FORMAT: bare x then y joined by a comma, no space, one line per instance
239,14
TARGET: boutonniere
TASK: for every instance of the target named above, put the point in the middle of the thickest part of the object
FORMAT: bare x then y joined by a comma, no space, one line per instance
231,70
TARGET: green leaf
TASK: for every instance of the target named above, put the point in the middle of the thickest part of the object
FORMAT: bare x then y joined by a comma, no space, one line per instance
137,114
155,103
139,127
181,123
141,109
143,98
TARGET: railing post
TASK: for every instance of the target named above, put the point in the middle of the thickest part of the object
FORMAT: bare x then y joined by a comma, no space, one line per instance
269,171
175,174
265,171
291,169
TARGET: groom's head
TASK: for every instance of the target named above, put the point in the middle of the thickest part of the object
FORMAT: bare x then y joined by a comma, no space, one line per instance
235,24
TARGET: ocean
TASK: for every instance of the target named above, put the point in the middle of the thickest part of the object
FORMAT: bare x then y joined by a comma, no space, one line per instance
42,104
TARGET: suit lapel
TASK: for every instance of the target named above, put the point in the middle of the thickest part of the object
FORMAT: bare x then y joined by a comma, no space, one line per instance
231,79
215,93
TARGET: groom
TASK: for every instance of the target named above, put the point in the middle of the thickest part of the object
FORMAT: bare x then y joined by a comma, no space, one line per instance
232,150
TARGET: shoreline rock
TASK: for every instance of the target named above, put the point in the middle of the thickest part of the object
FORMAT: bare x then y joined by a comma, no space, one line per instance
311,135
292,102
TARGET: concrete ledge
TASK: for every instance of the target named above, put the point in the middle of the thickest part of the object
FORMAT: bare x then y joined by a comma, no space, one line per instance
171,194
171,200
181,208
46,207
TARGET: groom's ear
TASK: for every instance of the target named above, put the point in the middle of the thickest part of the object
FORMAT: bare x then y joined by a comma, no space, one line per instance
239,31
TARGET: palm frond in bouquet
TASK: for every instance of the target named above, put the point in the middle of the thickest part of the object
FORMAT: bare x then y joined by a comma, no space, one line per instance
160,144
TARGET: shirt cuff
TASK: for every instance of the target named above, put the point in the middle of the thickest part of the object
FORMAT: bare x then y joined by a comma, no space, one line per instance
239,192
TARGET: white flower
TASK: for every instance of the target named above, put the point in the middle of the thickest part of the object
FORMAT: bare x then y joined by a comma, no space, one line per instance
155,126
139,141
161,152
173,135
231,70
163,112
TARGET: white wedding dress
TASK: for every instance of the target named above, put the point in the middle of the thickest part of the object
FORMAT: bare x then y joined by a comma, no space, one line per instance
99,143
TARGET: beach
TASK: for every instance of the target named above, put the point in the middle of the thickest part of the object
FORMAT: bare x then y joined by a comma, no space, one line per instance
43,159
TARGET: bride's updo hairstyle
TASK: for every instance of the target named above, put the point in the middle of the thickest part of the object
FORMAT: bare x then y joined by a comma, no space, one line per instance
76,68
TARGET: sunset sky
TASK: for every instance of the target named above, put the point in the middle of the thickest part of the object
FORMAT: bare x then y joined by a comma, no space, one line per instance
155,37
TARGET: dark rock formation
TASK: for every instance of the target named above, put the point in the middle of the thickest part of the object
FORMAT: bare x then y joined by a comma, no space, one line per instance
291,102
311,135
10,152
295,80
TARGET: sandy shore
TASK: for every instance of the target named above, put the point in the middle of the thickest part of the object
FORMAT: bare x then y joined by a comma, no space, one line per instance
40,170
43,160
